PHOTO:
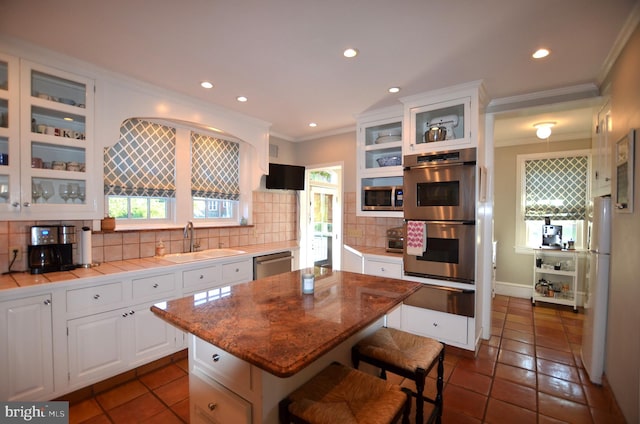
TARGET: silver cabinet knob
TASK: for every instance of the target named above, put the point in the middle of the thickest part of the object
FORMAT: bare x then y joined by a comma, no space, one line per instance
132,312
201,276
47,302
124,315
215,357
96,296
155,286
435,324
16,204
212,406
26,204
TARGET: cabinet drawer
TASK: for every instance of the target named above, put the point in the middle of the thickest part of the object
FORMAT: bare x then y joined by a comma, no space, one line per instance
210,402
206,276
152,287
383,269
222,366
237,271
94,297
438,325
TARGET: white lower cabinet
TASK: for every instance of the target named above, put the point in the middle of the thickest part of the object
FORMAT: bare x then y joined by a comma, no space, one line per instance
448,328
381,268
210,402
26,349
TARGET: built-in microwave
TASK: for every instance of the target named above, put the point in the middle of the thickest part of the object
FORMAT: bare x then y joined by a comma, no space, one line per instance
382,198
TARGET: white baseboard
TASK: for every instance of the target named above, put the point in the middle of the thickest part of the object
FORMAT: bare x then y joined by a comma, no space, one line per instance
524,292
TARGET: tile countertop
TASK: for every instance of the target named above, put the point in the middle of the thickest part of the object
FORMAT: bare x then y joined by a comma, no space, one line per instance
272,325
16,280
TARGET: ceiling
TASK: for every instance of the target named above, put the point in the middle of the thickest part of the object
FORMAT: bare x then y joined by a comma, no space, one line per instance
286,55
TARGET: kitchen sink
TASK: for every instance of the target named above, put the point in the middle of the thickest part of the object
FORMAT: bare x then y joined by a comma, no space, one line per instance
202,255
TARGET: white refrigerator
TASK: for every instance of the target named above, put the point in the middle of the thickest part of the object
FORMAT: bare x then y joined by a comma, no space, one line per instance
597,289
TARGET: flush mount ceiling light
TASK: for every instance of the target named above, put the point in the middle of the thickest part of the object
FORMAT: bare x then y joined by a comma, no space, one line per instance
540,53
313,124
543,129
394,89
350,52
241,99
206,84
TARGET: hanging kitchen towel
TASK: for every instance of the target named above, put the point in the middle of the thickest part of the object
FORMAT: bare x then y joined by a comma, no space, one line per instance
416,238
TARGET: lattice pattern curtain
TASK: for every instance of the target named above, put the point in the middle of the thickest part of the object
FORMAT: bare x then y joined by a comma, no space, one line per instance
556,188
142,162
215,168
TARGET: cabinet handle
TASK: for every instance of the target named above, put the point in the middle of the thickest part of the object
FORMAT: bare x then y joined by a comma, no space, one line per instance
155,286
124,315
96,296
201,276
381,269
215,357
26,204
132,312
435,324
47,302
237,269
212,406
16,204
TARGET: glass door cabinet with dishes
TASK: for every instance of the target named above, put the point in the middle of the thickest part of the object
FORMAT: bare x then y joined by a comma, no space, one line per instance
379,141
46,155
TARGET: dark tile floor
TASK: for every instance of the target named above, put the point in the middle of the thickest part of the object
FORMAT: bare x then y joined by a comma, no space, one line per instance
529,371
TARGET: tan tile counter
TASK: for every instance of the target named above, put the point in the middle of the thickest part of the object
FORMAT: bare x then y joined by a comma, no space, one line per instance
272,325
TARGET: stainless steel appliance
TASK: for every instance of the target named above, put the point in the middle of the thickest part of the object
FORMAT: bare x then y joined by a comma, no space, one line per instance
395,240
552,236
597,290
444,299
449,252
51,248
440,186
382,198
275,263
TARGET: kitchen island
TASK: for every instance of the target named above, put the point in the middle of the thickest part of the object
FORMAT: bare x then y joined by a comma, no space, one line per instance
252,344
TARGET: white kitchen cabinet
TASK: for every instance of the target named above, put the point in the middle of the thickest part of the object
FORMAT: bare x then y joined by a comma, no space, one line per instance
442,326
454,109
390,268
50,146
212,403
379,154
26,349
601,152
555,277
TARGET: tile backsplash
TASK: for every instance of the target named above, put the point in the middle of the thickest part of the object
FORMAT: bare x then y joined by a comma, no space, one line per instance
365,231
274,219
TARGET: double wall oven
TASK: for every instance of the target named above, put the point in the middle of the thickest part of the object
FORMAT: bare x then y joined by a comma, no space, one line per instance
440,212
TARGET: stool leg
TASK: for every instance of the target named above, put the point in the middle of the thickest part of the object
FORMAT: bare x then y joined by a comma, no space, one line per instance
420,378
355,357
407,407
439,385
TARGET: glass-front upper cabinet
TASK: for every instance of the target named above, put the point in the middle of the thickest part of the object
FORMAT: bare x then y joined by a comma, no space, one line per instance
441,120
380,142
57,143
9,131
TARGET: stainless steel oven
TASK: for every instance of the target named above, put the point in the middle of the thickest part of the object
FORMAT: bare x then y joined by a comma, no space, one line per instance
448,253
440,186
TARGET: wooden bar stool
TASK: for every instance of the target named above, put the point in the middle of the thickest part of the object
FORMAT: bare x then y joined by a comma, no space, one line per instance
409,356
339,394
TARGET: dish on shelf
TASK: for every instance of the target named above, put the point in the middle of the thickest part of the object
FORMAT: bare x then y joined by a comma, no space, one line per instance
388,138
389,161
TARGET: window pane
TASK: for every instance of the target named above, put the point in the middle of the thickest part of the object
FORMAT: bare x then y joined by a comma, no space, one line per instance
139,207
199,208
158,208
118,207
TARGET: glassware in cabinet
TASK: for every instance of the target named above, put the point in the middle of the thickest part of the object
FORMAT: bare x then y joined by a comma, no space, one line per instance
45,190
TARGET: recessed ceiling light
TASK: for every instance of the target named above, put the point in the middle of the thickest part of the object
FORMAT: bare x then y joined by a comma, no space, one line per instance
206,84
313,124
540,53
350,52
241,99
394,89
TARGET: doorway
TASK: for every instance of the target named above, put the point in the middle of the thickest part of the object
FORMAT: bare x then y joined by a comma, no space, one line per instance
322,224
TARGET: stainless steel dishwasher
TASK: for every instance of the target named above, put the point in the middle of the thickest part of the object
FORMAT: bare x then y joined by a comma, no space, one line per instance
275,263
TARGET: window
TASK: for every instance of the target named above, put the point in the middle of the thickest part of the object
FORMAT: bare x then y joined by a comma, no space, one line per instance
155,168
139,172
555,186
215,177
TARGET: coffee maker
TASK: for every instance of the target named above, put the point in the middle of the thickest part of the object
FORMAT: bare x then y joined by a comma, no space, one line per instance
51,248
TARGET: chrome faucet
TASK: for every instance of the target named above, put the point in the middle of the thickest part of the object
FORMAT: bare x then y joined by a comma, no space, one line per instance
188,232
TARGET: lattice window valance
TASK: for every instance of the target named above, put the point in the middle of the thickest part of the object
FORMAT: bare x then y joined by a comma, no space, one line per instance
215,168
556,188
142,162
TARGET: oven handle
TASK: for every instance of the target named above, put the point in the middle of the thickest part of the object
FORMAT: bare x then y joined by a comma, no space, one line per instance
443,222
438,165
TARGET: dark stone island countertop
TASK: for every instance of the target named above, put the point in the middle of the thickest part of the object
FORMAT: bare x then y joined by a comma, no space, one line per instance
272,325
